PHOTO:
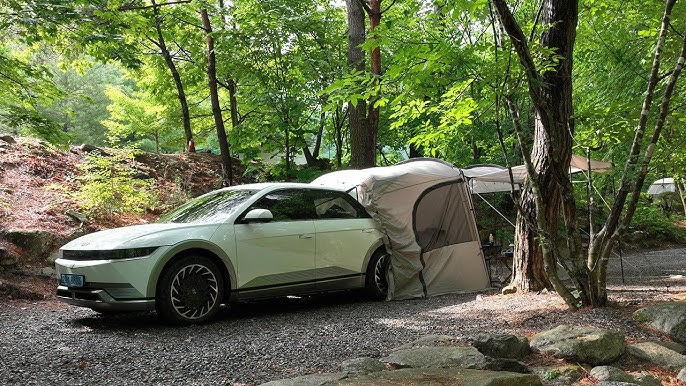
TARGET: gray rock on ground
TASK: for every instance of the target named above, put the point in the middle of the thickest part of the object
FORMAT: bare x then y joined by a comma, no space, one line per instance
434,376
438,357
595,346
669,317
308,380
658,354
560,375
682,375
363,365
502,346
613,374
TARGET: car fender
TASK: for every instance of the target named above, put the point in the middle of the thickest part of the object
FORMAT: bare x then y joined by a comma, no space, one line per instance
379,244
187,245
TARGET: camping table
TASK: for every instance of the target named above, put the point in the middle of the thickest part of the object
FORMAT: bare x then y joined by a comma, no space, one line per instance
497,259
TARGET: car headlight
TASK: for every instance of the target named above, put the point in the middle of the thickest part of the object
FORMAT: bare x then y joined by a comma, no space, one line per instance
112,254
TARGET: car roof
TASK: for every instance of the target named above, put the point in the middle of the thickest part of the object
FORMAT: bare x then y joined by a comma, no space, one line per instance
277,185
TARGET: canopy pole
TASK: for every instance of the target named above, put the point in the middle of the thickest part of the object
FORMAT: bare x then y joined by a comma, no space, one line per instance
496,210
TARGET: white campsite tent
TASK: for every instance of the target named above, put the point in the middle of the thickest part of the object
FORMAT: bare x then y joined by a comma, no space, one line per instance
424,207
661,186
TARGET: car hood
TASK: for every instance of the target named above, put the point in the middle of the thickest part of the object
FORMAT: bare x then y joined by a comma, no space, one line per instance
140,236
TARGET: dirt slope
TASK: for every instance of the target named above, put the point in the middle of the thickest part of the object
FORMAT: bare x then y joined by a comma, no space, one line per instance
38,182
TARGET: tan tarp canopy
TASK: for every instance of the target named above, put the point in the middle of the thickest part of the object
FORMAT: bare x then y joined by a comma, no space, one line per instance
425,209
494,178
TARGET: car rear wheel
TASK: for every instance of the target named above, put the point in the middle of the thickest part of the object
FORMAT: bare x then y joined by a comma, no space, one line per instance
190,290
377,275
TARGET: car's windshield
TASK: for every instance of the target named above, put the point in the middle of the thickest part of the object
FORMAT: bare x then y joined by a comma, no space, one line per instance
210,208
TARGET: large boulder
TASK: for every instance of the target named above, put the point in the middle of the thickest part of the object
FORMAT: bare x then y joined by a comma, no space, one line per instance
669,317
658,354
613,374
502,345
436,376
35,243
595,346
440,357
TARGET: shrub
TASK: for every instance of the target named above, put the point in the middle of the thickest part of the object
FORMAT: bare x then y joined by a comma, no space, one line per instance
110,188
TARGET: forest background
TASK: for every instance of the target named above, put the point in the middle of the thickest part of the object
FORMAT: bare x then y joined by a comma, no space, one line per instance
152,76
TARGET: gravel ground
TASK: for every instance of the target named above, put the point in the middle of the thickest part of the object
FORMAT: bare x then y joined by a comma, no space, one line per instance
47,342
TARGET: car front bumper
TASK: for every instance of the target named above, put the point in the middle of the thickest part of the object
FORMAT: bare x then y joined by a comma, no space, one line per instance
101,300
110,285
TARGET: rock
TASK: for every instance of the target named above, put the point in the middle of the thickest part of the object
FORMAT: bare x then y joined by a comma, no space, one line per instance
308,380
76,216
429,341
8,261
669,317
364,365
502,345
560,375
609,373
435,376
510,289
614,383
506,364
680,348
645,379
90,148
613,374
595,346
682,375
46,271
8,138
658,354
34,243
442,357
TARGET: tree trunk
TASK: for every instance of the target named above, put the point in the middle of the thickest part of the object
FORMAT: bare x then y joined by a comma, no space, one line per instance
551,93
227,173
374,12
181,94
357,121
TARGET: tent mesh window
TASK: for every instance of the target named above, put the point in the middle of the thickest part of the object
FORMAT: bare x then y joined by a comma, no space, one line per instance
440,217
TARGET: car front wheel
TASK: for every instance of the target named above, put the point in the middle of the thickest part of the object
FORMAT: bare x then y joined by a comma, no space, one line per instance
190,290
377,275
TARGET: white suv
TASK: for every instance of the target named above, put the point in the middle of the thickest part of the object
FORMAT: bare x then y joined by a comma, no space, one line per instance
249,241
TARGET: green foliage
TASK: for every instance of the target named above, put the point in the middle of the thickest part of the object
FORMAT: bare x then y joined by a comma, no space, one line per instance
651,220
109,186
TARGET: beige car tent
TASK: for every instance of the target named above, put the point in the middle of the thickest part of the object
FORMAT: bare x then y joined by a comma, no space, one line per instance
424,207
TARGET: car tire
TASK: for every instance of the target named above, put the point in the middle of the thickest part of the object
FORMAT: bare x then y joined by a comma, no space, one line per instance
376,281
190,290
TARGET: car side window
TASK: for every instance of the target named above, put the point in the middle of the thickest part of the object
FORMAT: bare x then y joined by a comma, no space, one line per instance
286,205
336,205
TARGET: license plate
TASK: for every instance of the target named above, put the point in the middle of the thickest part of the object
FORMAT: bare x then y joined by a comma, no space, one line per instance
70,280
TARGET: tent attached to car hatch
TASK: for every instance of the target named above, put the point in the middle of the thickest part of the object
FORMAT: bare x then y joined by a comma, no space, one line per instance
424,207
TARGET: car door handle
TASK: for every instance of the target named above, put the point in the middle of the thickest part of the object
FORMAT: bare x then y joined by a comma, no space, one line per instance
305,236
368,230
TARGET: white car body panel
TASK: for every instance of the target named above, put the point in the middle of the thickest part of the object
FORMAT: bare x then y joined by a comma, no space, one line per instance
274,248
343,243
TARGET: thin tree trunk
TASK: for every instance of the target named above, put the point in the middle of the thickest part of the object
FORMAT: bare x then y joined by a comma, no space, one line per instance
375,67
227,173
357,118
181,94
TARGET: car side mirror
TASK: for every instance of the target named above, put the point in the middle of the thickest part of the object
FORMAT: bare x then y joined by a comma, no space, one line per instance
258,215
